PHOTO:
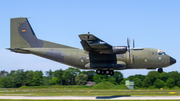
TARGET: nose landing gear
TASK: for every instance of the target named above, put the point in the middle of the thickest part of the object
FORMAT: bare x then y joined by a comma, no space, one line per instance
160,70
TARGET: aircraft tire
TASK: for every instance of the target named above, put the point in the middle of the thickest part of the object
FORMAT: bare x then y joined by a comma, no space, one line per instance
160,70
98,71
111,73
102,72
107,72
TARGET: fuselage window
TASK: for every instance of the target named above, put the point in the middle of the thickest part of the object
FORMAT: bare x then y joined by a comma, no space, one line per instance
161,53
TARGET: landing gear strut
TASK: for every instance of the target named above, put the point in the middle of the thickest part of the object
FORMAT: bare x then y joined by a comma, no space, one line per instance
107,72
160,70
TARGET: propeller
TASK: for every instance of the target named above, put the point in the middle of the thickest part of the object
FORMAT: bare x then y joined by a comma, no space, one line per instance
128,48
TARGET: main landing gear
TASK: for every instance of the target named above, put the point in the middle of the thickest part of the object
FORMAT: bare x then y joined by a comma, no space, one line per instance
107,72
160,70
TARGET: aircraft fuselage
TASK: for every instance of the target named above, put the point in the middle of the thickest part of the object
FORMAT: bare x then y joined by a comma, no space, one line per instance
146,58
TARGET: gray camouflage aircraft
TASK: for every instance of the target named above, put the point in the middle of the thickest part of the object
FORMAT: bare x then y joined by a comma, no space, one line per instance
97,54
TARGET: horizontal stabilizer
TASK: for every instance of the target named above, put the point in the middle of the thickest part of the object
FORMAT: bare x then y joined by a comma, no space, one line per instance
18,50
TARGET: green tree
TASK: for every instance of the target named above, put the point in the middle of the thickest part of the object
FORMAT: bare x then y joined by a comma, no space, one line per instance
170,82
18,78
90,74
118,76
81,79
37,78
159,83
6,82
123,81
70,74
174,75
3,73
178,83
112,80
54,81
153,75
98,78
50,75
45,80
137,82
29,78
131,77
59,75
11,73
146,83
141,77
67,76
164,76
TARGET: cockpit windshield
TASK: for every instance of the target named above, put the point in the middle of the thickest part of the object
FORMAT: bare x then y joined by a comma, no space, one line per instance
160,52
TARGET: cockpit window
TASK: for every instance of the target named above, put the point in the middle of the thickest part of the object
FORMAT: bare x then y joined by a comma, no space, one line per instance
160,52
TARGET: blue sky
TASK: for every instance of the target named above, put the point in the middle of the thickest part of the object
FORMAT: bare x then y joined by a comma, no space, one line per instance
152,23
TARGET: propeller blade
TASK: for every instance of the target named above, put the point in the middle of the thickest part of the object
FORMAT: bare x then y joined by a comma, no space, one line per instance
133,44
128,49
128,40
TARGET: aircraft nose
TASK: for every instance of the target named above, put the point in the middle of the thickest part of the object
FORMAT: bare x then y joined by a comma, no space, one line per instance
172,60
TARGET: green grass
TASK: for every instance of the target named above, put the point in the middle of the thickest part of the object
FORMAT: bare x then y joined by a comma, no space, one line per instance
83,92
102,89
87,100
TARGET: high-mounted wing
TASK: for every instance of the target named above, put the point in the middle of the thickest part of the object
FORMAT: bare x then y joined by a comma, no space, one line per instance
92,43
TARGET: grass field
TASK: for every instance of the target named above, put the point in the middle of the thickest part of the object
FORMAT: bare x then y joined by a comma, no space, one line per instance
86,100
82,91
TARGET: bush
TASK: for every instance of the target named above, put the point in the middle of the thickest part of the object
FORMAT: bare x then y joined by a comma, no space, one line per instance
151,87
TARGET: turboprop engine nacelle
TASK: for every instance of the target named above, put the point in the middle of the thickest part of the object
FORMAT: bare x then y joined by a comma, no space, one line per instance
119,49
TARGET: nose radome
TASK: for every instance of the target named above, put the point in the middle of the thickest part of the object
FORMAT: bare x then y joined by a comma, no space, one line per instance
172,60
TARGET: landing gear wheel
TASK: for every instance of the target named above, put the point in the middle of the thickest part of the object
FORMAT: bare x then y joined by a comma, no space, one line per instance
102,72
107,72
160,70
111,73
98,71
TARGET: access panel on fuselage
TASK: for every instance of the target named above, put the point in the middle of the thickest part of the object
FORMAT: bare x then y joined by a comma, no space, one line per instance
141,58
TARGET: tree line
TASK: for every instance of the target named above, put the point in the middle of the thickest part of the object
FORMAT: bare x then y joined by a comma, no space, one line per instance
73,76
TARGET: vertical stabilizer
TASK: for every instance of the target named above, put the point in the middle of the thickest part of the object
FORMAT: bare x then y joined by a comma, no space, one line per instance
22,34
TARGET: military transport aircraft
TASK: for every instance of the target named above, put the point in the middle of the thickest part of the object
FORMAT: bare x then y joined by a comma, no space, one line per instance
97,54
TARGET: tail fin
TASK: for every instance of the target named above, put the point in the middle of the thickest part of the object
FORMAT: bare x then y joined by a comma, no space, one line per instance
23,36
